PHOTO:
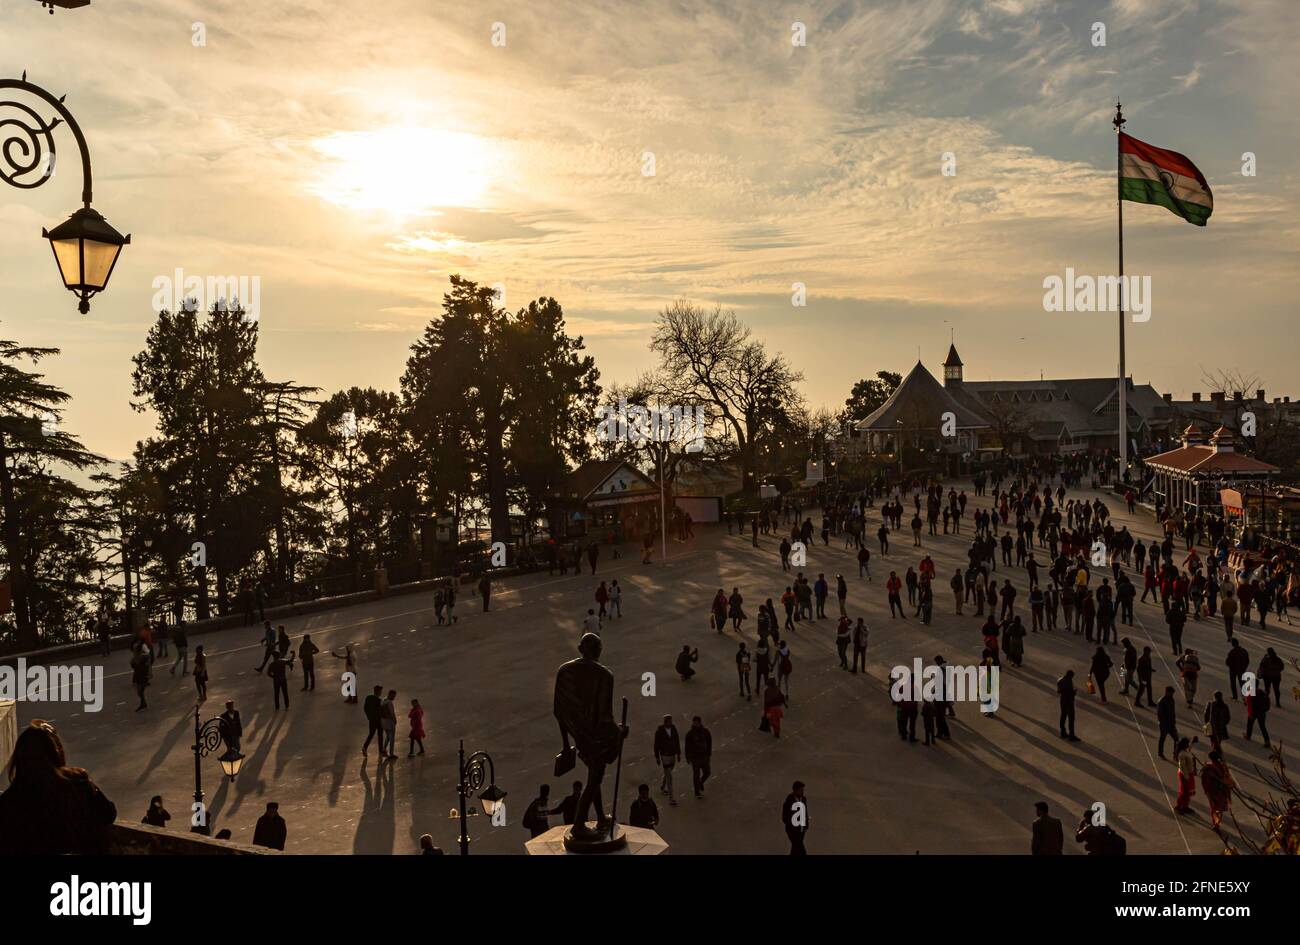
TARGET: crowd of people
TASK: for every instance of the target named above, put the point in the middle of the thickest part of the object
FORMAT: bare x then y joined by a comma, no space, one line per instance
1037,559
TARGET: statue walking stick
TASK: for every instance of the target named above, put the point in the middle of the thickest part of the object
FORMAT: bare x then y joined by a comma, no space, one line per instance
618,771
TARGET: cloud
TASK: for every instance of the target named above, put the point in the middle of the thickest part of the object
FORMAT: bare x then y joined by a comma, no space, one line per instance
774,164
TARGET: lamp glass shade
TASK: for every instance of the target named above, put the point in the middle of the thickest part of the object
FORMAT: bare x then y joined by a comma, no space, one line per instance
85,248
491,798
231,762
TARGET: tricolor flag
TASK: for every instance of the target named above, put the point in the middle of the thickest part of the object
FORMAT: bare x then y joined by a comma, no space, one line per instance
1148,174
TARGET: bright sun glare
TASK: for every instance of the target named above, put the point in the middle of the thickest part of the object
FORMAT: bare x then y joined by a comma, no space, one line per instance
404,171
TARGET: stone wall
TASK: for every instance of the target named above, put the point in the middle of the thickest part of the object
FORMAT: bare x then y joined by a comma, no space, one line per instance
127,839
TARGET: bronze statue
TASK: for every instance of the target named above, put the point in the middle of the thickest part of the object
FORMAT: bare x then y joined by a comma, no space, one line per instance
584,707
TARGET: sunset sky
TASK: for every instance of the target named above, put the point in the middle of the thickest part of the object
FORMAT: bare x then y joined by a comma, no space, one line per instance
354,155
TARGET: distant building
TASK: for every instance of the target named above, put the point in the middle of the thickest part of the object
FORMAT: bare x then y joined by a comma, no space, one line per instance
915,416
603,497
1063,415
1221,409
612,499
1196,473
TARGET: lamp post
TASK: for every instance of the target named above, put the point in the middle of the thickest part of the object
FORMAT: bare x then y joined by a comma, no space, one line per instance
208,736
472,773
85,245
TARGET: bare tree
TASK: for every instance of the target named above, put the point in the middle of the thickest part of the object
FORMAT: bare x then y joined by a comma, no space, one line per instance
713,356
1274,810
1229,381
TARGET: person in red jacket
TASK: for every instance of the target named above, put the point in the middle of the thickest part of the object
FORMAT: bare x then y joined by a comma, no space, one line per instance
893,587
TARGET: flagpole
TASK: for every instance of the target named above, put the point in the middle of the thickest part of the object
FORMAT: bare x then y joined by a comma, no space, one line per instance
1118,122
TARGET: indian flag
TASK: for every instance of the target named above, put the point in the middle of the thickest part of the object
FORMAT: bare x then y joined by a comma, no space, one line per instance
1148,174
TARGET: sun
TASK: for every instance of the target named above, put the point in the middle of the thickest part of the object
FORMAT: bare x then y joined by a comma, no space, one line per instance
404,171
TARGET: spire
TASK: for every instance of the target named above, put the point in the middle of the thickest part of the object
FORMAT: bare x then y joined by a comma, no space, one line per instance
952,367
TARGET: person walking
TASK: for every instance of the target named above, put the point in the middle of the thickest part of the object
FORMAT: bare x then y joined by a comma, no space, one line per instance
535,819
859,646
1189,667
742,671
1129,665
1216,719
307,654
388,725
485,589
1099,671
699,749
451,603
1270,673
349,670
1145,672
278,670
282,642
843,636
1237,661
268,644
271,830
784,667
232,729
1186,767
141,673
894,587
773,709
1048,835
615,599
668,751
373,709
200,674
568,808
181,638
644,812
1228,609
763,662
1167,716
416,718
1176,619
1217,782
794,815
1065,692
1257,707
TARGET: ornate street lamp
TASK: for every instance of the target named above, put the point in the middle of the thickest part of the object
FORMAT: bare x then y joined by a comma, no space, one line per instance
208,737
85,246
475,770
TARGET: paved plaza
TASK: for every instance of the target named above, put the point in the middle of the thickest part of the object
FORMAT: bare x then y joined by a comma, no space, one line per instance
489,678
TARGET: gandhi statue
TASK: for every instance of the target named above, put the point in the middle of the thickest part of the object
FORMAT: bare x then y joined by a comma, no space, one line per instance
584,707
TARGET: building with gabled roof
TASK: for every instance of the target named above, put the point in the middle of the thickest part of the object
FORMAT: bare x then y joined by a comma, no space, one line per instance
1197,471
1064,415
916,415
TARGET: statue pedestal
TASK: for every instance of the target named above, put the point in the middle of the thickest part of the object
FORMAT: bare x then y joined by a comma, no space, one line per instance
639,842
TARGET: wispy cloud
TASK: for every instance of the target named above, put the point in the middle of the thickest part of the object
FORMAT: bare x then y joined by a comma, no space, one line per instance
774,164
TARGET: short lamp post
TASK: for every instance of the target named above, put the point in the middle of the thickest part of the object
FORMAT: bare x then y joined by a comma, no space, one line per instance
208,737
474,771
